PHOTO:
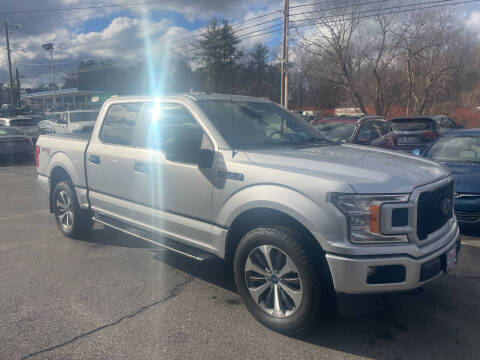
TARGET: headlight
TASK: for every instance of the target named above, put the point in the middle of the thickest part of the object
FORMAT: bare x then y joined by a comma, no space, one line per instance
363,214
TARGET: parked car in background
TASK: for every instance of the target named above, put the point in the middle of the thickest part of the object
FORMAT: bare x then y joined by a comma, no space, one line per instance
68,122
364,130
46,126
414,133
459,150
13,142
444,123
25,125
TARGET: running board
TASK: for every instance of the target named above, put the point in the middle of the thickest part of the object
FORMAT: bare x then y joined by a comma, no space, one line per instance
168,244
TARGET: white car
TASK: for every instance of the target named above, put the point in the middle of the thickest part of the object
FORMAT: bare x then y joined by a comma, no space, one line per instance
69,122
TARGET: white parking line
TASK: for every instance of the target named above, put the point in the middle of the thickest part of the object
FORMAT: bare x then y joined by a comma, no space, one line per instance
24,215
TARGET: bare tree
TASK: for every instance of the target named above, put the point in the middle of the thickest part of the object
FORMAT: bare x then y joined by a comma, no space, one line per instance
432,48
380,45
333,43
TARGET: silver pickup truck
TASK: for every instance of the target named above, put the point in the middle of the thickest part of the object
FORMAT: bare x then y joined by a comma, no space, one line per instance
300,217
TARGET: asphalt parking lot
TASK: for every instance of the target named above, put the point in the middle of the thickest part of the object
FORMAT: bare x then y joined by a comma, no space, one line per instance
116,297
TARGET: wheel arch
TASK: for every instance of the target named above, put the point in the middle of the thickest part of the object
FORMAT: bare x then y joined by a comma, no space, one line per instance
264,216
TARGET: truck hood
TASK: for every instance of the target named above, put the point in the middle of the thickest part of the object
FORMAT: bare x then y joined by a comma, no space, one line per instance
365,169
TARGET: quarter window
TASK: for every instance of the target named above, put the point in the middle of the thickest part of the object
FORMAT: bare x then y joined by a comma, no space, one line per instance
119,124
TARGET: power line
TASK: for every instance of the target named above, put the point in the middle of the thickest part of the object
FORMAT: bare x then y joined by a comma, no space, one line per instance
418,6
21,12
387,13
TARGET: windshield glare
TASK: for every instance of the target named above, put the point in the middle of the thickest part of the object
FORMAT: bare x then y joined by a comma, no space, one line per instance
253,124
337,131
456,149
412,124
83,116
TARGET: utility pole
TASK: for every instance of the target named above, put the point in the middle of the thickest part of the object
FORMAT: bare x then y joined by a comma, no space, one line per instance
49,47
284,82
18,87
12,96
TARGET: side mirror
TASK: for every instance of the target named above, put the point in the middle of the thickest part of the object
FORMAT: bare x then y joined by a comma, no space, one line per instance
460,126
205,158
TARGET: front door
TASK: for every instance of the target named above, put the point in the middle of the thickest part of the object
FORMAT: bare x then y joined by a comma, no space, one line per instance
173,193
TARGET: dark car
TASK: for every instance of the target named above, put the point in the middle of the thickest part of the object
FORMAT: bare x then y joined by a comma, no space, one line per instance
459,150
13,142
414,133
364,130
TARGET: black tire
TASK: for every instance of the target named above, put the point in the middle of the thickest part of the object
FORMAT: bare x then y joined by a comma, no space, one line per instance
312,305
79,221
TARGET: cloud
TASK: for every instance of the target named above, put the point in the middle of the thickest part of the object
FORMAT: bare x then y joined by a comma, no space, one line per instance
473,20
125,33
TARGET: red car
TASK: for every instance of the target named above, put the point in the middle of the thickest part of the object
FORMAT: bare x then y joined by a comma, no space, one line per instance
364,130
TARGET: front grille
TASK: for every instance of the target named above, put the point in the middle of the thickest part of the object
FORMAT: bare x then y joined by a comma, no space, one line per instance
467,216
433,210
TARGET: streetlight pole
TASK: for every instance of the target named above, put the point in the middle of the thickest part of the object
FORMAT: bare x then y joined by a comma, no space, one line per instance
12,96
49,47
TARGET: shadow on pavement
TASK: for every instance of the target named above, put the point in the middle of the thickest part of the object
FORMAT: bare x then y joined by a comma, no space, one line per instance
440,322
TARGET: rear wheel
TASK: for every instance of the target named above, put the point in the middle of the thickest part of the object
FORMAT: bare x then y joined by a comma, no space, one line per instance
277,279
72,221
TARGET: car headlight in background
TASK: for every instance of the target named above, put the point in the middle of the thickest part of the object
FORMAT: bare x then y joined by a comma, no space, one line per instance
363,214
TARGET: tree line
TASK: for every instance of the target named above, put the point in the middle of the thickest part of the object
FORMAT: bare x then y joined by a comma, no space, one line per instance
421,61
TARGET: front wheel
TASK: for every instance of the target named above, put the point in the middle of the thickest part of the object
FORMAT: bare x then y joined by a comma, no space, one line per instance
72,221
277,280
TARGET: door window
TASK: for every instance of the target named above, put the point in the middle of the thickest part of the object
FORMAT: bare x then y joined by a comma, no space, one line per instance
172,129
369,132
119,124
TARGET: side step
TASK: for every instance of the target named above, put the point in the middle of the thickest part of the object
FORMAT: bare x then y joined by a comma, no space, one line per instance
168,244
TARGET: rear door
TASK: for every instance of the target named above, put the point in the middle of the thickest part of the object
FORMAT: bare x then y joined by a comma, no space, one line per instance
109,161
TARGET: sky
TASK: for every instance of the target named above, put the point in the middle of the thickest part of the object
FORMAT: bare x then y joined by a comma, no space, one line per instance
129,31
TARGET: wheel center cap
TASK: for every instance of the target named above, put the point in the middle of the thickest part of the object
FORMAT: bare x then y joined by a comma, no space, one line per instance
274,279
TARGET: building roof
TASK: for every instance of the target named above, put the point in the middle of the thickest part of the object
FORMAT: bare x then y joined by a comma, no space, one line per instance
70,91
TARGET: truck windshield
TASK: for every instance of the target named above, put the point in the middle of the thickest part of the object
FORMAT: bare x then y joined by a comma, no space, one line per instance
83,116
246,124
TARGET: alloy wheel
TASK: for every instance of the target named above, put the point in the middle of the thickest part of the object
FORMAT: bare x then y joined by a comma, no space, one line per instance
64,210
273,281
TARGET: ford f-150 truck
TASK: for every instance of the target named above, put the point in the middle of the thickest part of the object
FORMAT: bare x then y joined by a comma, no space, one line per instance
243,179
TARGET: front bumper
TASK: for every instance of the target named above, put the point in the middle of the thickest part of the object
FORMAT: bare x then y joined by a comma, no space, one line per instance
350,273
